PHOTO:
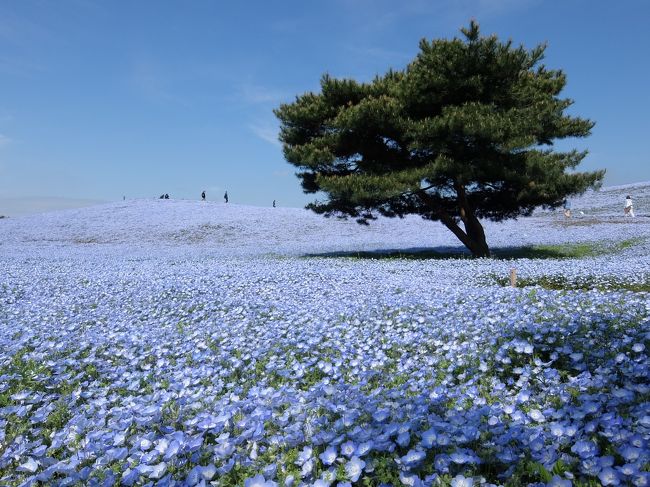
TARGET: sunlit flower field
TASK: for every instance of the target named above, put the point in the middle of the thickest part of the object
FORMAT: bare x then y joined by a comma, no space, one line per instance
165,342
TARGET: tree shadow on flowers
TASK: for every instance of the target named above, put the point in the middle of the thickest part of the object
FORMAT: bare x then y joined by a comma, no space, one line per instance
563,251
413,253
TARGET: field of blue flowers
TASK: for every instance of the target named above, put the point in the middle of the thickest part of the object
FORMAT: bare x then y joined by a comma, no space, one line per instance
179,343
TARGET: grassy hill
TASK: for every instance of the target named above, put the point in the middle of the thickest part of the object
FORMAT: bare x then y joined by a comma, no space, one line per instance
246,230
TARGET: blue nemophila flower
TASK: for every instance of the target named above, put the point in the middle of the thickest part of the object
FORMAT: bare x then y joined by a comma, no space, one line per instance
461,481
403,439
443,439
629,469
410,479
459,457
199,473
413,458
259,481
585,448
441,462
381,415
642,479
590,466
153,471
329,475
348,448
536,415
354,467
304,455
606,461
149,457
429,438
558,481
609,476
328,457
364,448
129,476
29,466
233,360
20,396
307,468
557,430
631,453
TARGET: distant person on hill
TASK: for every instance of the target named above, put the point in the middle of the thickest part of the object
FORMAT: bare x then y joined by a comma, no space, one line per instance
629,207
225,197
273,203
166,196
567,208
203,195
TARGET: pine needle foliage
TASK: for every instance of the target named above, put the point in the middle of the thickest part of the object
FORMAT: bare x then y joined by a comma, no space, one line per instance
464,133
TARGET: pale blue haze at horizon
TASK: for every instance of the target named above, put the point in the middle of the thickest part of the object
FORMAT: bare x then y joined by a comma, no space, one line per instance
100,100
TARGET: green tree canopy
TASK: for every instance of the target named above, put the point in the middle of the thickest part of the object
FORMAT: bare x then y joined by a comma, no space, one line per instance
464,133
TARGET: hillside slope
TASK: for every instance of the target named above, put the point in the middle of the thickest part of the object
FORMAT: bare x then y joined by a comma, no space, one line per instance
148,225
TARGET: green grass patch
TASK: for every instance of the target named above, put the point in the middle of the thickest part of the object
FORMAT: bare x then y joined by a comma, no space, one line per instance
559,251
565,251
560,282
57,419
409,254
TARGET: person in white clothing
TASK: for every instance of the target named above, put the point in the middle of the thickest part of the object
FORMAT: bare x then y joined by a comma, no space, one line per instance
629,208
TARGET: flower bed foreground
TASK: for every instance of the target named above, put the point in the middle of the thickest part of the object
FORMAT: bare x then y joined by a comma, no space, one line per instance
306,373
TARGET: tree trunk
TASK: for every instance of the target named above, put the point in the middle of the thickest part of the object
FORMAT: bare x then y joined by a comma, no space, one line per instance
475,243
473,237
476,234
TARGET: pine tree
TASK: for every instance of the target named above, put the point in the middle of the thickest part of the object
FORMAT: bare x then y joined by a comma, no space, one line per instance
464,133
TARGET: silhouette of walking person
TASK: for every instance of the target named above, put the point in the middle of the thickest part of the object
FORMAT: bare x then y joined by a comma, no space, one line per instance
203,195
629,207
273,203
225,197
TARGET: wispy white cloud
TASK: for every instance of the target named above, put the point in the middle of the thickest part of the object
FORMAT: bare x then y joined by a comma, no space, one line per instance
21,32
153,83
20,38
382,14
4,140
287,25
267,133
29,205
488,7
260,94
19,66
456,11
385,55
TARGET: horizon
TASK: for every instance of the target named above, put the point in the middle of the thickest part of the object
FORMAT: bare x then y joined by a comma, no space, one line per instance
37,206
181,100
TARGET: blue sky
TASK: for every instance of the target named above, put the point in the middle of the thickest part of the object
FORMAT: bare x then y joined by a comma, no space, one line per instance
105,99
